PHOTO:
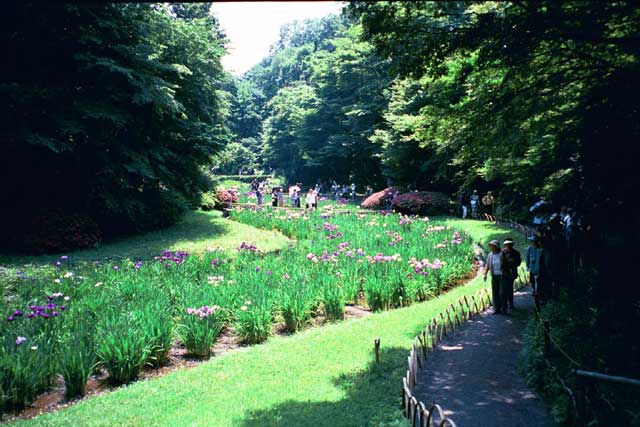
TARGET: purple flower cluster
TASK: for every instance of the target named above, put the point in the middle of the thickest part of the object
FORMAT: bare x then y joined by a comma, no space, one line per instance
422,267
249,248
343,246
45,311
395,237
405,221
380,258
137,265
329,227
168,257
334,236
457,238
202,312
216,262
62,259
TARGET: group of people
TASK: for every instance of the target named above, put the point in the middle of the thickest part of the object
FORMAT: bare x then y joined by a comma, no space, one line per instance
347,191
503,266
474,206
552,258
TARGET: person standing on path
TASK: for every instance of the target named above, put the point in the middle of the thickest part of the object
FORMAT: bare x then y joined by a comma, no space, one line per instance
493,265
510,259
531,261
487,202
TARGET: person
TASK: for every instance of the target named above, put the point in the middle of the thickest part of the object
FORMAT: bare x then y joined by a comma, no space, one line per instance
259,190
254,185
543,278
274,197
510,259
294,198
280,197
531,261
474,201
488,202
369,190
388,200
353,191
493,265
309,199
462,202
298,198
315,199
540,208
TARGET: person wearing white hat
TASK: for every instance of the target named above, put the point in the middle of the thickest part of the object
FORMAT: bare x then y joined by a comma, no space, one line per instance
493,265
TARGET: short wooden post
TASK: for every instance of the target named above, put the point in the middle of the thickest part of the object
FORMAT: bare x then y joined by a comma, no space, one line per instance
376,349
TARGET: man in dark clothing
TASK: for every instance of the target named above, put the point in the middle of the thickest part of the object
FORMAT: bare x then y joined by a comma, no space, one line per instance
510,260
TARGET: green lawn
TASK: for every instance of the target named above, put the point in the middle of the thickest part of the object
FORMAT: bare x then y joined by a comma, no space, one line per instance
319,377
195,233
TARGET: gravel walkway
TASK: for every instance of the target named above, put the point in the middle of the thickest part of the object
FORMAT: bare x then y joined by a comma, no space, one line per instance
473,373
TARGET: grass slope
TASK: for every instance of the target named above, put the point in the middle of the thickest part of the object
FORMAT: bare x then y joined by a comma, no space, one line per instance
322,377
195,233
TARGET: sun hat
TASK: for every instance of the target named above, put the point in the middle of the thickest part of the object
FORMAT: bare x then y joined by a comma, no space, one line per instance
495,243
508,242
533,238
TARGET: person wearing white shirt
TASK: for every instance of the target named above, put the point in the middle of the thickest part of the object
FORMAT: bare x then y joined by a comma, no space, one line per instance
493,265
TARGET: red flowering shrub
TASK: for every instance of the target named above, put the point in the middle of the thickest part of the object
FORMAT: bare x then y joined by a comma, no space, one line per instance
55,231
224,197
378,200
421,203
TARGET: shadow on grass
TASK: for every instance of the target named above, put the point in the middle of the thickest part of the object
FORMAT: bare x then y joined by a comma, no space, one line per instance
372,399
196,227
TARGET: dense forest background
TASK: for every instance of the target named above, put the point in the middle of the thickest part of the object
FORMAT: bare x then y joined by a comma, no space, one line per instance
117,115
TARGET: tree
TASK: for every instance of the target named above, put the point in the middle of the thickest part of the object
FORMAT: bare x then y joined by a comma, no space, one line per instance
111,108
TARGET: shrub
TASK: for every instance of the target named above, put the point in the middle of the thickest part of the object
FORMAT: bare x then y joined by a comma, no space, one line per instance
24,371
157,325
296,303
224,197
378,200
333,301
421,203
121,349
254,322
57,231
200,329
77,357
208,201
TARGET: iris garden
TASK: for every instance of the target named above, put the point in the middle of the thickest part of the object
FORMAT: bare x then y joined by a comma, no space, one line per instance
72,319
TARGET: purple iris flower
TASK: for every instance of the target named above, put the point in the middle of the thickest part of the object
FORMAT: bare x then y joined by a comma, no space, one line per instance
20,340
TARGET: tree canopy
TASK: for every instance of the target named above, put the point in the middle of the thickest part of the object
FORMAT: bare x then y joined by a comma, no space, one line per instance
110,111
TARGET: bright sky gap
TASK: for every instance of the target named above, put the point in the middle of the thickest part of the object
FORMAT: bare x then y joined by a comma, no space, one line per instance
252,27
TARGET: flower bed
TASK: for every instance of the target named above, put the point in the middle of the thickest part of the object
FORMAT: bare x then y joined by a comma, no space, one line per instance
125,315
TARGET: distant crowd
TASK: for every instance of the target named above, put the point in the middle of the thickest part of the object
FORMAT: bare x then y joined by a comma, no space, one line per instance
311,197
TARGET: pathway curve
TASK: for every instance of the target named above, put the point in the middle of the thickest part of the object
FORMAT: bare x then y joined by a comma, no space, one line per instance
473,374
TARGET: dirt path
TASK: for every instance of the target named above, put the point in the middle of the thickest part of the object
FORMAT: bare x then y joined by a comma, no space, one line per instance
473,373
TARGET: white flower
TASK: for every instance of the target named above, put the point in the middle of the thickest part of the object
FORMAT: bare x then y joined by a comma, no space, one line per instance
57,280
34,347
98,284
67,298
68,274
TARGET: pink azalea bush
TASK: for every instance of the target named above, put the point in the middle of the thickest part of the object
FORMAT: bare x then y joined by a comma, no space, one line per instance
421,203
378,200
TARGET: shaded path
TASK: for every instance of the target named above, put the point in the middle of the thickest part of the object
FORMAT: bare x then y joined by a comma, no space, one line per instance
473,374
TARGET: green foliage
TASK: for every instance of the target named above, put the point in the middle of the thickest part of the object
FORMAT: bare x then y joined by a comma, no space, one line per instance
137,106
200,329
77,354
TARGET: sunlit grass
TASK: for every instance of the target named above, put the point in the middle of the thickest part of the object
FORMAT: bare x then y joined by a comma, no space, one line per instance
197,232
